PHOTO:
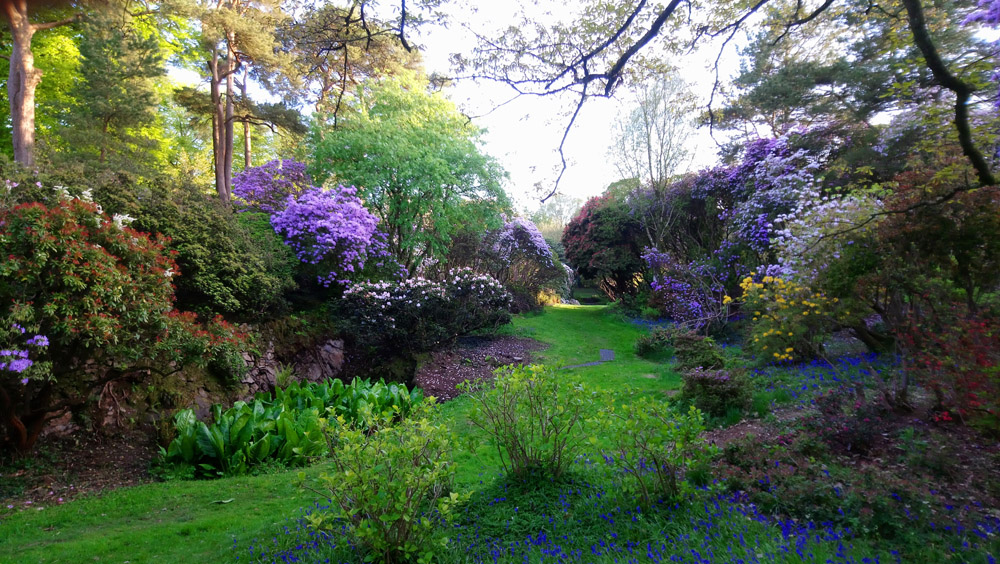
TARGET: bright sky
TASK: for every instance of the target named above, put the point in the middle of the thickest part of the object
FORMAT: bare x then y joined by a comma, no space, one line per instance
525,133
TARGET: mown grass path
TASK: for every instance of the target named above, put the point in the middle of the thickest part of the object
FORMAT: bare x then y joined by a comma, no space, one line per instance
575,334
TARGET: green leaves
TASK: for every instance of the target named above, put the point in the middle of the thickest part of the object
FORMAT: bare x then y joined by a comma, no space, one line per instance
382,483
288,429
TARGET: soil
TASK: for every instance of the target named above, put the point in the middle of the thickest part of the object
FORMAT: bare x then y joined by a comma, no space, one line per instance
63,468
471,358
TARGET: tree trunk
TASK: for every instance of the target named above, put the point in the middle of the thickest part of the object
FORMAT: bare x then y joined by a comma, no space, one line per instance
22,81
218,128
247,154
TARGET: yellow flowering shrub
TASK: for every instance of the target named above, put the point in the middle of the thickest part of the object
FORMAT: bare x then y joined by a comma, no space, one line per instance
788,321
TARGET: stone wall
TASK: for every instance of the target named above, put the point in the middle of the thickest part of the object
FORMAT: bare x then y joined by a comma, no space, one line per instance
151,398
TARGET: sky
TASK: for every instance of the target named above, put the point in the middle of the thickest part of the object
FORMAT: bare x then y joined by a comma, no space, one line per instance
524,134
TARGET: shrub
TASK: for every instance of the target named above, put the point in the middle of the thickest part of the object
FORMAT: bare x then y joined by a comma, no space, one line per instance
535,420
391,487
331,230
602,243
417,314
716,392
231,266
696,351
655,448
790,321
656,342
101,293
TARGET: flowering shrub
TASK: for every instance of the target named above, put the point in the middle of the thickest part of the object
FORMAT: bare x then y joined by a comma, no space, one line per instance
655,448
522,260
814,234
789,320
98,291
418,314
534,417
269,187
602,244
330,227
691,294
391,487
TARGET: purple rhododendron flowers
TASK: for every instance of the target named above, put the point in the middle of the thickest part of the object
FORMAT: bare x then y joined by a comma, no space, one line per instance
269,186
330,226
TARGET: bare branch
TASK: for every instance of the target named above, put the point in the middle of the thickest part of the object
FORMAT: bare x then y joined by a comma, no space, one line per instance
562,143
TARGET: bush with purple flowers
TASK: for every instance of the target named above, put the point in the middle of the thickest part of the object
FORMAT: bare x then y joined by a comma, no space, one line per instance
330,228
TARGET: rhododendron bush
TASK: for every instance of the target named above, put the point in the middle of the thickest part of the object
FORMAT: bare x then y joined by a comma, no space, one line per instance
417,314
87,298
328,228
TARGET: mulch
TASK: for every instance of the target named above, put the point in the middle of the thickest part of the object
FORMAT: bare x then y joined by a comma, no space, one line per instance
471,358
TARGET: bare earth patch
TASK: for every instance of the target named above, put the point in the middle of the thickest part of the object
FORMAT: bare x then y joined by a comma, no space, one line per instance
471,358
66,467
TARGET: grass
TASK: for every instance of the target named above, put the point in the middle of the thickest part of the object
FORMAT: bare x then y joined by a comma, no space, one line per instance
176,521
576,333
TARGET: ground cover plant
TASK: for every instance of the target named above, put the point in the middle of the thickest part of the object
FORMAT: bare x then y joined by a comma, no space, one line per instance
287,429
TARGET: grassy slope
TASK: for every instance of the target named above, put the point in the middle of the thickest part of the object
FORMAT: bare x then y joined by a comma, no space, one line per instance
178,521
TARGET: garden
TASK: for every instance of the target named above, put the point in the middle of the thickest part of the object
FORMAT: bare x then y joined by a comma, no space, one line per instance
357,343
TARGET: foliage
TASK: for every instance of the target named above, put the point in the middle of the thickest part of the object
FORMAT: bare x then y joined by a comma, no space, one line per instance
790,321
417,314
232,265
656,447
957,355
101,293
286,430
390,487
415,161
716,392
535,420
601,244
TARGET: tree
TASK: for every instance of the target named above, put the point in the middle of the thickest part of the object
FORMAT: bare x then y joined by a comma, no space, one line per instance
336,48
649,142
24,77
232,34
117,90
415,161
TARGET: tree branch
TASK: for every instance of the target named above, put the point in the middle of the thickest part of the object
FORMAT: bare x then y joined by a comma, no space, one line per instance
49,25
963,91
